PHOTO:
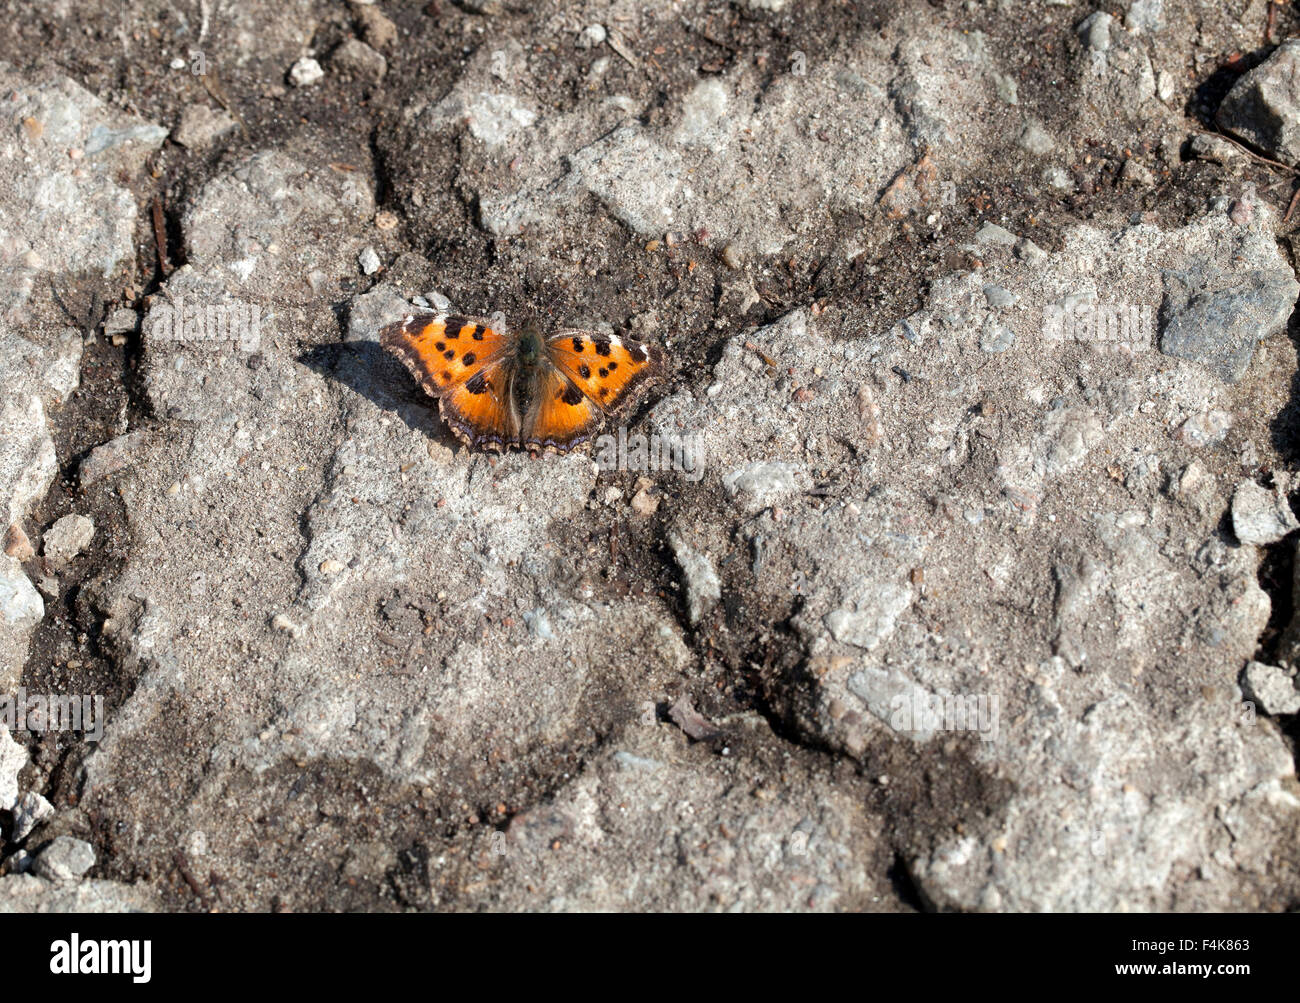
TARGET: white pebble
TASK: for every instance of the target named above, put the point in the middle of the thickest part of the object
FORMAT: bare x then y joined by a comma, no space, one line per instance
305,72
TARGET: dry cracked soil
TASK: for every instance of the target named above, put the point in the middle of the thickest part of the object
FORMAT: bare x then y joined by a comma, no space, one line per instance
948,563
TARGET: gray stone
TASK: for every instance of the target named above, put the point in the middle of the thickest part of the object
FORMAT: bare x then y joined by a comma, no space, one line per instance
355,58
591,36
1261,516
1094,30
67,538
110,457
1145,16
13,757
1036,140
369,312
23,893
1057,178
1263,106
21,610
369,261
33,376
995,337
870,614
1207,146
1219,325
30,811
703,587
1137,174
121,321
67,209
1114,74
305,72
621,835
201,126
480,651
991,233
1271,688
883,692
1029,252
757,486
65,859
239,229
684,172
998,297
1208,428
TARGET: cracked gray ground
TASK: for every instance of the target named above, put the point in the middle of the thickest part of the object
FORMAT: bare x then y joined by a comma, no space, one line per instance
983,328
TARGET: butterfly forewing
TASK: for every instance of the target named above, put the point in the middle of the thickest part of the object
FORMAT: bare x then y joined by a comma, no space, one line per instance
603,367
465,364
444,350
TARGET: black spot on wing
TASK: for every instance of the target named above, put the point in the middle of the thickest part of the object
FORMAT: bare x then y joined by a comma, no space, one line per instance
572,396
577,344
469,359
601,347
478,385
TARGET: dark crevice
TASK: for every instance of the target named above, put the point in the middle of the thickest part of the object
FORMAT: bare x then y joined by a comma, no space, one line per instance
1276,577
904,885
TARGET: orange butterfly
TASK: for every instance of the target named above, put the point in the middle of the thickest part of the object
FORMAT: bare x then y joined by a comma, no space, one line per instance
498,390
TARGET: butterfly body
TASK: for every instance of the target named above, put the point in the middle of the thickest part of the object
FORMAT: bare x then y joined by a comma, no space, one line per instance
499,390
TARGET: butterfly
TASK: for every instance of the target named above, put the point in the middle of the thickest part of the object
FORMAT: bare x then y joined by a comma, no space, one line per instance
500,389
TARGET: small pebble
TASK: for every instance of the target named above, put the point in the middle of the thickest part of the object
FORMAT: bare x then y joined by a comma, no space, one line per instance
305,72
592,36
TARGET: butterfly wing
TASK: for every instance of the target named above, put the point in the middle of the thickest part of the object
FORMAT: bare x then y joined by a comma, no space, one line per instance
480,410
465,364
606,369
561,416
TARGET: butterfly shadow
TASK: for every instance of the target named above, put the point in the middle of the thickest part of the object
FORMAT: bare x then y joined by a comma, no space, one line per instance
366,369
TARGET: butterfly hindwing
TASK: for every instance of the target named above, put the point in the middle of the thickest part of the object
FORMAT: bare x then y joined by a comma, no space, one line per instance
603,367
561,416
444,350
